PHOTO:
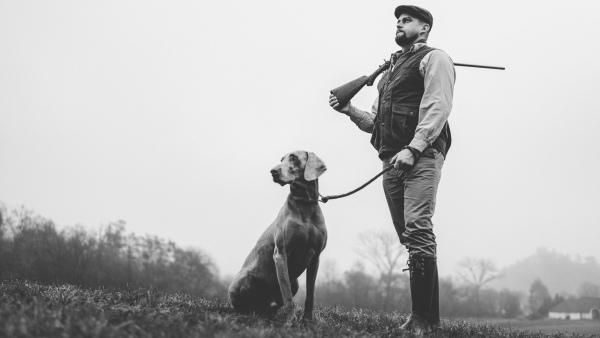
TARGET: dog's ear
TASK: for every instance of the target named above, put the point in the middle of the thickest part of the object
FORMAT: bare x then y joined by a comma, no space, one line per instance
314,167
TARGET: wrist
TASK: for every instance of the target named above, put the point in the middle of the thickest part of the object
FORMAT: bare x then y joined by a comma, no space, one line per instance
415,153
348,109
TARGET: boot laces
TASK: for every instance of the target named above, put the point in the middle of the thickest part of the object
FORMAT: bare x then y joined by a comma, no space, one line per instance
415,265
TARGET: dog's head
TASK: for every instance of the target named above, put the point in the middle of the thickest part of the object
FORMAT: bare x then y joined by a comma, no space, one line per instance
298,165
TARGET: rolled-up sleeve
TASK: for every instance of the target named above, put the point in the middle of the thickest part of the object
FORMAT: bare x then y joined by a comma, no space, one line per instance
363,119
438,73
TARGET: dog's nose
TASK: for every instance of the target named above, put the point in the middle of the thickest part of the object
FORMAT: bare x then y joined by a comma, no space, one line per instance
274,171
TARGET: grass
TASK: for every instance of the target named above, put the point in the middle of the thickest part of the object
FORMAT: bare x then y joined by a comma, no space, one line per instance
547,325
33,310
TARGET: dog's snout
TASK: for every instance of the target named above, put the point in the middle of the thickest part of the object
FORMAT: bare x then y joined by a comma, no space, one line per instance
278,176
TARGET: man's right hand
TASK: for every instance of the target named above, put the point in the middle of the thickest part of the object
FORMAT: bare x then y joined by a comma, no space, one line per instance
333,102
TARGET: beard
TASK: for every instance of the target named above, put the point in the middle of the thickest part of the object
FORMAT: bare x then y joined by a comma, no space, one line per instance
403,40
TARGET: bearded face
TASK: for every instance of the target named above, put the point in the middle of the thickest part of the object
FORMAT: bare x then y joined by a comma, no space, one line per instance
403,39
408,30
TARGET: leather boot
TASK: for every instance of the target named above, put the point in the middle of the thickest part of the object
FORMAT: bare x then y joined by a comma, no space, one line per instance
424,294
434,319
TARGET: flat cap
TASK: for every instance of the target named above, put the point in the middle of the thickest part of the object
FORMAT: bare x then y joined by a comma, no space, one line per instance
418,12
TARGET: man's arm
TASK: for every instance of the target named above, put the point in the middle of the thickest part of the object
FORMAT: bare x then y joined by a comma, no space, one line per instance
438,73
362,119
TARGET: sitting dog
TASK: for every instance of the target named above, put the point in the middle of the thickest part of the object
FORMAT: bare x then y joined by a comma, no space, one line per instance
291,244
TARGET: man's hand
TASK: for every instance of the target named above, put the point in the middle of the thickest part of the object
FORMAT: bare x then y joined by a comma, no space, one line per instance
403,160
333,102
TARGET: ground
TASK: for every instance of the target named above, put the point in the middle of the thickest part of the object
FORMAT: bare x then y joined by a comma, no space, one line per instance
545,325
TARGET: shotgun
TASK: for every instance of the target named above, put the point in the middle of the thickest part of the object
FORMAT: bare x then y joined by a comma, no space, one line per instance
346,92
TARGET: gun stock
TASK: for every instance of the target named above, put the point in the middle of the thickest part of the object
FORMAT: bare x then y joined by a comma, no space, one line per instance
346,92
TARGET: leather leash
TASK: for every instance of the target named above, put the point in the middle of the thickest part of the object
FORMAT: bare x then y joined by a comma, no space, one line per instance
327,198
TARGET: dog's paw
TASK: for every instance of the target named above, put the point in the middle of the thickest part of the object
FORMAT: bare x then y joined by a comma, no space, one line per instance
291,322
307,317
291,319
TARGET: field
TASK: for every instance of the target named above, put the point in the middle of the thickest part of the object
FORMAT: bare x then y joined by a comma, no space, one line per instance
34,310
546,325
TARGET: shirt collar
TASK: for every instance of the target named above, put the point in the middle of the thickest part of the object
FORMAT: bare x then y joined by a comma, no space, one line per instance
396,56
415,47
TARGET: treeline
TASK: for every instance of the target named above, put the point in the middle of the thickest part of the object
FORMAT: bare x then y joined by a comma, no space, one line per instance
460,298
358,289
32,248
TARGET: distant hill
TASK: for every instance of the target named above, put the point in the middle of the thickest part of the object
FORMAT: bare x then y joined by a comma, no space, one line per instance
561,273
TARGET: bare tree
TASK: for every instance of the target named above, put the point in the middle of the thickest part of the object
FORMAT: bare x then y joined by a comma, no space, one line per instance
330,285
328,271
476,273
383,250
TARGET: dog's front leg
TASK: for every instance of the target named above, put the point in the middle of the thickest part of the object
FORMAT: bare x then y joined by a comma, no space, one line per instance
311,276
280,257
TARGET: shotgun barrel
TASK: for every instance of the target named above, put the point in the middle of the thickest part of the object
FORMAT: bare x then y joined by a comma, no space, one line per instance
477,66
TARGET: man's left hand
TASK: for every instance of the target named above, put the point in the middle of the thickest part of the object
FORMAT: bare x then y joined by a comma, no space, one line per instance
403,160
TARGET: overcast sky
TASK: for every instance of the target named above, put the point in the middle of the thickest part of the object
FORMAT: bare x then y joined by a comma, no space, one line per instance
170,114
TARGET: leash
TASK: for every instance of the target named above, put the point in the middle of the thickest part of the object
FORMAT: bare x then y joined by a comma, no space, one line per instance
327,198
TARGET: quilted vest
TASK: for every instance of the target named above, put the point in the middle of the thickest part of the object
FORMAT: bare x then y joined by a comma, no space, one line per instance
400,94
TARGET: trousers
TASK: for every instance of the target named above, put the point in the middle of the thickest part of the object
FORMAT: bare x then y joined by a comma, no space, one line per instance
411,198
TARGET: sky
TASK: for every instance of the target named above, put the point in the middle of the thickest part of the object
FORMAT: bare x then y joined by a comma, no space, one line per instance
168,115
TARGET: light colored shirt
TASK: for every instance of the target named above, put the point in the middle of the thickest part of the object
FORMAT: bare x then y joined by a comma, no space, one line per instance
438,74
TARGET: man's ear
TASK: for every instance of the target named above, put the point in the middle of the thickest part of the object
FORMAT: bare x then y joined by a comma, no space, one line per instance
314,167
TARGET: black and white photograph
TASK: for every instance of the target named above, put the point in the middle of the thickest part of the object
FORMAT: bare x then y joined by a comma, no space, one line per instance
299,169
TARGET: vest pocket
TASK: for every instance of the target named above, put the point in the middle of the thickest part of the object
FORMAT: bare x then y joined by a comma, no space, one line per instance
404,122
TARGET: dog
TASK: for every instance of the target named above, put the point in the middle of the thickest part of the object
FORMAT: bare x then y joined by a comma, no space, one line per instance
292,244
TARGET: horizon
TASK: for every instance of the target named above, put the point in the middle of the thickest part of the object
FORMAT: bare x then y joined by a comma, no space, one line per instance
331,266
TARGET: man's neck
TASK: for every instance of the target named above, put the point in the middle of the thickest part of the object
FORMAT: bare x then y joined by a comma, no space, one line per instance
406,48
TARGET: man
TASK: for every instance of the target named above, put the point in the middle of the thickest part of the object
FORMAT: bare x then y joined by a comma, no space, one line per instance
409,128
